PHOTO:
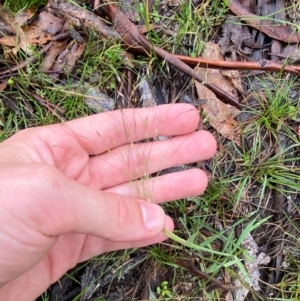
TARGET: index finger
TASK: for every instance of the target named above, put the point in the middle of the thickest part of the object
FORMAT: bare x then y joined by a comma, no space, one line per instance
103,132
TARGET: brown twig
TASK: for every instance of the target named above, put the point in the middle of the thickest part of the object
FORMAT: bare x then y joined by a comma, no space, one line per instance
54,109
264,65
25,63
75,13
133,37
135,40
136,45
189,266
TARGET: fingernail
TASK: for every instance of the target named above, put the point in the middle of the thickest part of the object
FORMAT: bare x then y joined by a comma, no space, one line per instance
153,216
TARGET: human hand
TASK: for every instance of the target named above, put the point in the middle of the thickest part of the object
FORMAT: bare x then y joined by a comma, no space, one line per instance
67,190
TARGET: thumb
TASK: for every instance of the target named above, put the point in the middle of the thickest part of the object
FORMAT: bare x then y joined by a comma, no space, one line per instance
69,207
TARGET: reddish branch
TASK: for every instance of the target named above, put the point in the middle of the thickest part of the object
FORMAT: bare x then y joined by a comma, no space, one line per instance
264,65
90,20
136,42
133,37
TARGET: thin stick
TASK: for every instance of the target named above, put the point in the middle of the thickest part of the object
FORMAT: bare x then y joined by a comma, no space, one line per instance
133,37
264,65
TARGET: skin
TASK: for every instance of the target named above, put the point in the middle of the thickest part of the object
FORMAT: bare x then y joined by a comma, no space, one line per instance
67,190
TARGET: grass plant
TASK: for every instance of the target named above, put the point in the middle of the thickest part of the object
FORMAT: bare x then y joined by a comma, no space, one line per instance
18,6
243,178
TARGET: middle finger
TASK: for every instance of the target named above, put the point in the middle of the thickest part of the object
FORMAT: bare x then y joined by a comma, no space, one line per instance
134,161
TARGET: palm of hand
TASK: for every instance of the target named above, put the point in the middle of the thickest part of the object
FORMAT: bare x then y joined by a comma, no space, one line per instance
73,191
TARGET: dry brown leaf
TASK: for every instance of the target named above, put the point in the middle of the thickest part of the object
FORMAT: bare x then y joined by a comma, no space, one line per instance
221,119
74,55
56,48
43,29
20,39
67,59
25,16
220,116
9,41
276,31
234,76
146,28
39,32
3,85
234,34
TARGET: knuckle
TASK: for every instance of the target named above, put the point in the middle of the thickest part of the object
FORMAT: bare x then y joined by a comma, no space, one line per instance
123,213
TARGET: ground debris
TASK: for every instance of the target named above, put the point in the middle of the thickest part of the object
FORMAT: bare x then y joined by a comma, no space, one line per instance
147,95
79,16
219,115
253,261
16,36
96,100
278,32
70,44
234,35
